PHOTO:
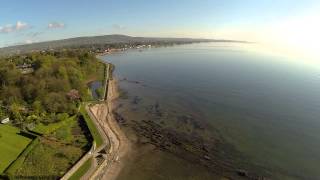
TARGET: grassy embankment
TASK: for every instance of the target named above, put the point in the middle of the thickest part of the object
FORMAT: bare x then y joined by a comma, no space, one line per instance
82,170
93,130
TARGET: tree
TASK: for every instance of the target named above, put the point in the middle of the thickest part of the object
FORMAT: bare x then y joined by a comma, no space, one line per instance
62,116
15,110
73,95
55,102
54,89
37,107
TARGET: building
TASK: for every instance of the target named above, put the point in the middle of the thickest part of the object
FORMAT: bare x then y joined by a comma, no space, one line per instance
25,68
5,121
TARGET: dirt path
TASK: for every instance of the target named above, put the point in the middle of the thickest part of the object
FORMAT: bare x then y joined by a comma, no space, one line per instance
119,144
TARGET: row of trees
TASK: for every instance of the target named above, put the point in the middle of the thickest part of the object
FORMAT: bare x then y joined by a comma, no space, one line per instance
56,86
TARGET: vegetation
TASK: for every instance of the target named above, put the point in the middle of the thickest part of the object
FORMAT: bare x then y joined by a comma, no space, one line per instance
47,129
100,92
42,92
82,170
49,159
62,148
19,161
51,92
11,145
93,130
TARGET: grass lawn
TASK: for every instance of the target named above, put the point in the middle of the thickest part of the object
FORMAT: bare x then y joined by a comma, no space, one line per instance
11,145
82,170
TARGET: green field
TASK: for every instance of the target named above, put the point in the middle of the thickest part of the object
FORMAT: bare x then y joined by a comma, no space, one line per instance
11,145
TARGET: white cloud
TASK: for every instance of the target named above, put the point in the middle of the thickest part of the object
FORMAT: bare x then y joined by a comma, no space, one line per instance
29,41
14,28
56,25
21,25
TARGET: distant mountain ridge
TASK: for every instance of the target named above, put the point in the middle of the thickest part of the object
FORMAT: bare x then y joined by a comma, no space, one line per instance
99,40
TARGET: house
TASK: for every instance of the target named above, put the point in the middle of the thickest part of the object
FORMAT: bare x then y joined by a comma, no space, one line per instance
5,121
25,68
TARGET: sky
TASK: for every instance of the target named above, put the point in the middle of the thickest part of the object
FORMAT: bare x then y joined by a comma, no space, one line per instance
293,24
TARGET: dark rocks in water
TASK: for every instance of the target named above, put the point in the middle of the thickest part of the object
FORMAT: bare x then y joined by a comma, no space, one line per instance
245,174
174,140
119,118
135,82
155,110
196,124
242,173
143,140
206,157
205,148
130,81
123,94
211,152
156,106
169,139
136,100
123,79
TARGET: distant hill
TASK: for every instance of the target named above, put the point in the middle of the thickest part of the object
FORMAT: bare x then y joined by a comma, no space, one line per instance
98,40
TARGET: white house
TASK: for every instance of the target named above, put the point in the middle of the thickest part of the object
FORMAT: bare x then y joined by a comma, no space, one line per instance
5,121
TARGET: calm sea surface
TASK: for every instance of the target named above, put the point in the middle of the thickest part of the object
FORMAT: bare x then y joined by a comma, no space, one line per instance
268,107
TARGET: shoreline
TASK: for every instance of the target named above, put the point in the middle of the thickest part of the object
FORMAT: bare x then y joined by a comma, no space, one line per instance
119,143
107,158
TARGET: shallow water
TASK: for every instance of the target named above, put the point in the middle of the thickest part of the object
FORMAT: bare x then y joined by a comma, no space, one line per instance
94,85
267,106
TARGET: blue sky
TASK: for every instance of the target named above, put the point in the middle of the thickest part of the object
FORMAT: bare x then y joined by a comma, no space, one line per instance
38,20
